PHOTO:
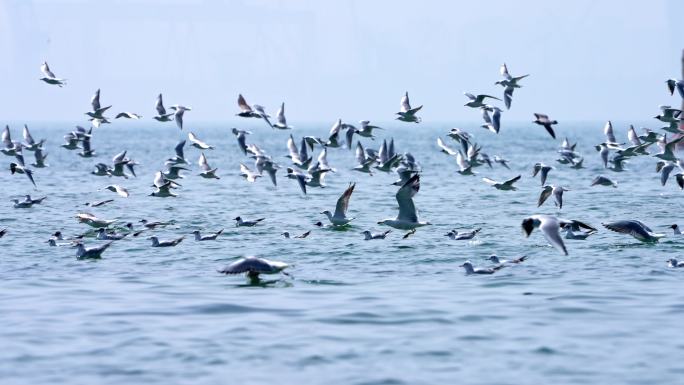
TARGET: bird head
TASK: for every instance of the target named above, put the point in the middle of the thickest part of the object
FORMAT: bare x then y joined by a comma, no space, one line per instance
528,226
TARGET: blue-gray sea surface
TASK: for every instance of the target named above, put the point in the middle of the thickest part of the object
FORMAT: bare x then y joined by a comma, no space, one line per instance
359,312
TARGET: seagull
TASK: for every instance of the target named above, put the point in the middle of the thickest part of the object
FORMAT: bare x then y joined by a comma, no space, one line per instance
207,171
507,185
509,83
665,168
71,141
477,101
19,168
671,116
299,158
368,235
556,191
170,243
40,158
673,84
281,122
340,216
118,189
102,235
241,138
49,77
248,174
634,228
543,120
243,223
301,236
464,165
162,116
99,203
501,161
127,115
209,237
27,202
163,191
550,228
494,125
676,230
86,150
264,163
154,225
96,113
246,110
92,220
364,163
604,152
543,171
462,236
673,262
468,266
603,181
366,129
179,158
179,111
30,144
669,149
406,113
254,266
407,219
92,252
173,172
494,259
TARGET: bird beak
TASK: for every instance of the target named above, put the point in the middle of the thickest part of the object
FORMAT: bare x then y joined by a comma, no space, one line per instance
379,223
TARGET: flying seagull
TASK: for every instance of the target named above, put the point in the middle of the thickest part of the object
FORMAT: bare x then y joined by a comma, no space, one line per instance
406,113
49,77
543,120
407,219
339,218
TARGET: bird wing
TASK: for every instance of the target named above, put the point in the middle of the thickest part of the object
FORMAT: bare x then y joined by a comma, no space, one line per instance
608,131
95,101
407,210
504,71
292,148
360,153
405,105
27,136
204,164
508,96
490,181
160,106
512,180
444,147
545,194
179,149
280,115
343,202
542,118
46,70
6,137
242,103
549,227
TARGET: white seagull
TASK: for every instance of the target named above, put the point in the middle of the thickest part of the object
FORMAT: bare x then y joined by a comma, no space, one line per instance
407,219
339,218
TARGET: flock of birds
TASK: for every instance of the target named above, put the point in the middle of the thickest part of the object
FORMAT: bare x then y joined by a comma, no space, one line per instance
309,172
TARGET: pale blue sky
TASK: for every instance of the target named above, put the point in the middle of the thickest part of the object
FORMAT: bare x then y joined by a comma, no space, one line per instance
351,59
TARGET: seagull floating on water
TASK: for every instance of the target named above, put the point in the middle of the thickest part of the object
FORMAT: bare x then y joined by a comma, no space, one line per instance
239,222
368,235
208,237
170,243
470,269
